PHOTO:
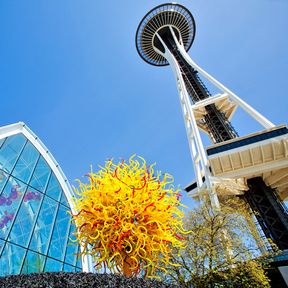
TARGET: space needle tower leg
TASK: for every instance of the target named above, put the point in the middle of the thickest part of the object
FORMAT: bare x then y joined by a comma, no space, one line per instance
197,152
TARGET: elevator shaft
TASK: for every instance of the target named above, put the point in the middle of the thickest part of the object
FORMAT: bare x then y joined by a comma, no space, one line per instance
269,211
219,127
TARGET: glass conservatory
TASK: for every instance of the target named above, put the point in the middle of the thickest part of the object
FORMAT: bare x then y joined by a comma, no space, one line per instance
36,231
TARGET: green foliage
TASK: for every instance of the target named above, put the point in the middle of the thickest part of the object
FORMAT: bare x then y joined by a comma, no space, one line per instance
249,274
220,249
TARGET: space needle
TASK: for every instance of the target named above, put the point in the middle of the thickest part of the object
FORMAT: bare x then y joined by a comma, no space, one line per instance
254,166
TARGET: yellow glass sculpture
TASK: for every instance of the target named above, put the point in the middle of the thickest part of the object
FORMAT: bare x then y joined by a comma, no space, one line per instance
129,218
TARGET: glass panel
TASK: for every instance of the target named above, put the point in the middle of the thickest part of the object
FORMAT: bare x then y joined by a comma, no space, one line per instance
60,234
34,263
10,150
72,248
26,217
26,163
44,225
40,175
11,259
54,189
53,265
3,179
64,200
9,203
68,268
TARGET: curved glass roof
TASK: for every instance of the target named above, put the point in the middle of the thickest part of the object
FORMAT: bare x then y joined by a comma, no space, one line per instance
35,227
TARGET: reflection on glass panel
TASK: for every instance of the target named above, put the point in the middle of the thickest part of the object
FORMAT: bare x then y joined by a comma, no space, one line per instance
60,234
72,248
26,163
10,150
40,175
53,265
54,189
9,202
64,200
3,179
11,259
26,217
44,225
34,263
68,268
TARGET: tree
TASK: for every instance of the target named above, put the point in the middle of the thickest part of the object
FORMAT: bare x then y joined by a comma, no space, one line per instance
220,248
250,274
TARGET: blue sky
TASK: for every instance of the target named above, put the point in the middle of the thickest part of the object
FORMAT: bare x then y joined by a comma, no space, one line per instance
70,71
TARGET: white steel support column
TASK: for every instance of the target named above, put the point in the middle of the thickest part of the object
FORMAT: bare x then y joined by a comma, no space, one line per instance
197,152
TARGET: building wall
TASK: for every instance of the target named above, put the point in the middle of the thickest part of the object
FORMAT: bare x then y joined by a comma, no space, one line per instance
35,227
